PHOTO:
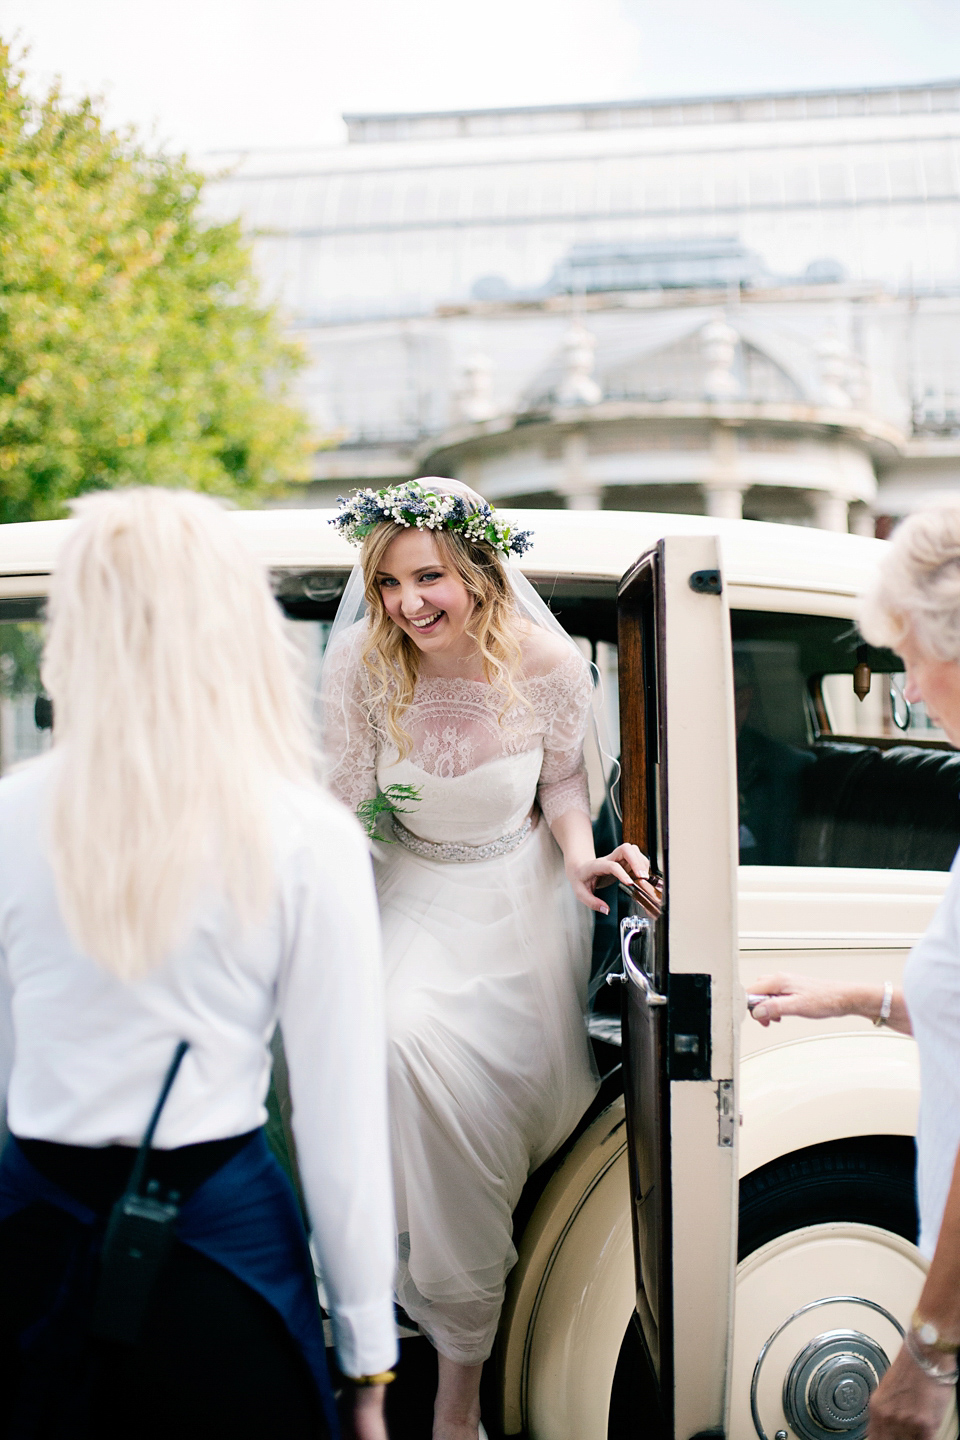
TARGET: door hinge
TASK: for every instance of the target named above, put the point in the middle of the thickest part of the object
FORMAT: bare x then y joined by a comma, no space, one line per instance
706,582
726,1115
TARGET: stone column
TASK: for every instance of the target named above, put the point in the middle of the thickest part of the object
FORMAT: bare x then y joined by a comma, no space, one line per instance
718,343
475,396
577,385
830,512
579,491
835,368
862,521
723,486
589,498
724,502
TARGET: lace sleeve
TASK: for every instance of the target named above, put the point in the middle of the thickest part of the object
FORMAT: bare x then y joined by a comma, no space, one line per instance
349,737
566,693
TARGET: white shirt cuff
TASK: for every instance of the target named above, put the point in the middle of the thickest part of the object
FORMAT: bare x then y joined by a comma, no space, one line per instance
365,1337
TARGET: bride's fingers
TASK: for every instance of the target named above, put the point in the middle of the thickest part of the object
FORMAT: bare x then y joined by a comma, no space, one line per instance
633,856
610,868
586,897
612,871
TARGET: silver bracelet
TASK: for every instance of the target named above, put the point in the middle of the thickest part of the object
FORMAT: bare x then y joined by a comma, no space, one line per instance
886,1004
928,1366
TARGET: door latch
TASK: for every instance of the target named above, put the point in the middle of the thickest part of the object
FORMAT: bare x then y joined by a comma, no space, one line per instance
688,1027
726,1115
706,582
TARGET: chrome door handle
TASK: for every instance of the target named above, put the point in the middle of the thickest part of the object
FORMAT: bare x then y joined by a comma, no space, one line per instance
629,927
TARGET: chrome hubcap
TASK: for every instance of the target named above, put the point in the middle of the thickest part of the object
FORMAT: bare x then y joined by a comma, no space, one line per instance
827,1388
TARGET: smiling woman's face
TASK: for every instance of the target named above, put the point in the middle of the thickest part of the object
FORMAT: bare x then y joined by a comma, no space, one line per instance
424,595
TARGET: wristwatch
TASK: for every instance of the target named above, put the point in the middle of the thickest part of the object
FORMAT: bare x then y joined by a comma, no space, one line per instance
929,1335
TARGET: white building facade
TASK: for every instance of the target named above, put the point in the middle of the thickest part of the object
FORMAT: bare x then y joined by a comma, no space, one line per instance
738,306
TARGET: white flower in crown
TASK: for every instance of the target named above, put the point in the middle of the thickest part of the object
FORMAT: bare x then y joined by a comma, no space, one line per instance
410,505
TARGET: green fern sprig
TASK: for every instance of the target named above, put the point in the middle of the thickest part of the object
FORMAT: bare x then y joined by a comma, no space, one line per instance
395,800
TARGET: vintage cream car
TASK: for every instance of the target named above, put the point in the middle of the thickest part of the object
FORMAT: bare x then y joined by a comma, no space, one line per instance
725,1246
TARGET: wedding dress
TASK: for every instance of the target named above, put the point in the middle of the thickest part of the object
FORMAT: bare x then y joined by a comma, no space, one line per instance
487,961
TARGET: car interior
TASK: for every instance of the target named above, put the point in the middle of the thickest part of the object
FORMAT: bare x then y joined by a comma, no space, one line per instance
886,796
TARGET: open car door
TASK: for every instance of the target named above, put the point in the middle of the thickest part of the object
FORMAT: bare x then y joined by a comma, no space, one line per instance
681,992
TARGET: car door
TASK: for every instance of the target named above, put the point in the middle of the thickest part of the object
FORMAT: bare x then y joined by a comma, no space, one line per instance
682,1002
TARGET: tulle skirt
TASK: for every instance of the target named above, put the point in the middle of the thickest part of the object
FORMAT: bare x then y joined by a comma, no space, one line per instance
490,1067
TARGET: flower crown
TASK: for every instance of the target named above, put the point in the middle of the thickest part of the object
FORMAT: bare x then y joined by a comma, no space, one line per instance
410,505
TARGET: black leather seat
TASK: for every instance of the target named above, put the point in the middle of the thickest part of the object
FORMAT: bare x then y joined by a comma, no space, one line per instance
896,809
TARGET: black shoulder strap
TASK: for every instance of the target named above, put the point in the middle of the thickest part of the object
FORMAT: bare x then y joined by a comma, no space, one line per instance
140,1164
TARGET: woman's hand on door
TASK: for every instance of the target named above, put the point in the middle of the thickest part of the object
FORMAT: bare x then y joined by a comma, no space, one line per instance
627,864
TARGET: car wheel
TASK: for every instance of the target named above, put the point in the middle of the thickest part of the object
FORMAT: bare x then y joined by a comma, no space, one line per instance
818,1316
828,1272
867,1179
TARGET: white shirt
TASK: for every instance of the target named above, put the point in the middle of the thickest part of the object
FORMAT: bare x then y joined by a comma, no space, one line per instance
931,987
83,1054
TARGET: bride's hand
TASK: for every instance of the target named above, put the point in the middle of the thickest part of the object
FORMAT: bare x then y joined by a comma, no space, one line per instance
627,863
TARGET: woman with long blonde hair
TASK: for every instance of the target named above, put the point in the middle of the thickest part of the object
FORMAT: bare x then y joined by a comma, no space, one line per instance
455,714
174,881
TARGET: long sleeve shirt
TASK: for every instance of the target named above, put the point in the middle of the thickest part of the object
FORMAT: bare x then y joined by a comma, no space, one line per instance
83,1053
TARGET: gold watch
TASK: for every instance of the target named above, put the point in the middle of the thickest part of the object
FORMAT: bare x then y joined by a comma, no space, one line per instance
929,1335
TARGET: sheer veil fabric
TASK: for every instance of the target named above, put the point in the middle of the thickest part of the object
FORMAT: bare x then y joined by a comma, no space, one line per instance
486,960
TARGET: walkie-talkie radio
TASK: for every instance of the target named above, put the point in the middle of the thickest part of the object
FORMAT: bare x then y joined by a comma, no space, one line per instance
140,1235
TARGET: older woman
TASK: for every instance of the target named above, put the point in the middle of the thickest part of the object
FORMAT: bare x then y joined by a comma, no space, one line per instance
915,609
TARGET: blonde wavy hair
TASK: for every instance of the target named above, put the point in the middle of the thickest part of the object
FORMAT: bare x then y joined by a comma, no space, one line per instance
177,708
391,657
917,587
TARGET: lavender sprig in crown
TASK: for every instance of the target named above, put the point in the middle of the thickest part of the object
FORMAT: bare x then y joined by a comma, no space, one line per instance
411,506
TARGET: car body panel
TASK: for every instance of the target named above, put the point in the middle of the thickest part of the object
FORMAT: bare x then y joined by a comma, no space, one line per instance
599,1150
684,1177
601,544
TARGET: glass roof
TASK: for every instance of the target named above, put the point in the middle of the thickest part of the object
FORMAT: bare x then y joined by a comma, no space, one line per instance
377,229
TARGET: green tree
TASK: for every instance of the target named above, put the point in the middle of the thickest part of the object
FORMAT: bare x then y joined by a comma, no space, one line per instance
133,349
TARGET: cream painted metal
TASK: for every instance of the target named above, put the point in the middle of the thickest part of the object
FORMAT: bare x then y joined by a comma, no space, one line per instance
825,1087
577,1284
572,1293
840,1264
601,544
699,748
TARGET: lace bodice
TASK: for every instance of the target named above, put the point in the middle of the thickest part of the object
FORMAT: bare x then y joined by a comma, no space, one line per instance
456,727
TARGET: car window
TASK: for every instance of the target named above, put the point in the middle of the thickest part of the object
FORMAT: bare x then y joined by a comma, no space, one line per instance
882,712
827,778
21,644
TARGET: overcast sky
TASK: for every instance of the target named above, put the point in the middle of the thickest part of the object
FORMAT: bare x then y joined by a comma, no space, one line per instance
213,74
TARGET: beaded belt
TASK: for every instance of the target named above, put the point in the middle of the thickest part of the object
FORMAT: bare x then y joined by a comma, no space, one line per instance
460,854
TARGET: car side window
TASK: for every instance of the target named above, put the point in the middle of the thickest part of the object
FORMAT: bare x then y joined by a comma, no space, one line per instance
24,724
833,767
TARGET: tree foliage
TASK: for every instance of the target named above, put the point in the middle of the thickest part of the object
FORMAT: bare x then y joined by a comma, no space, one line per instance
133,349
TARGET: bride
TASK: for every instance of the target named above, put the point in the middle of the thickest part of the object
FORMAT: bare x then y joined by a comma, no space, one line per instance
455,713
